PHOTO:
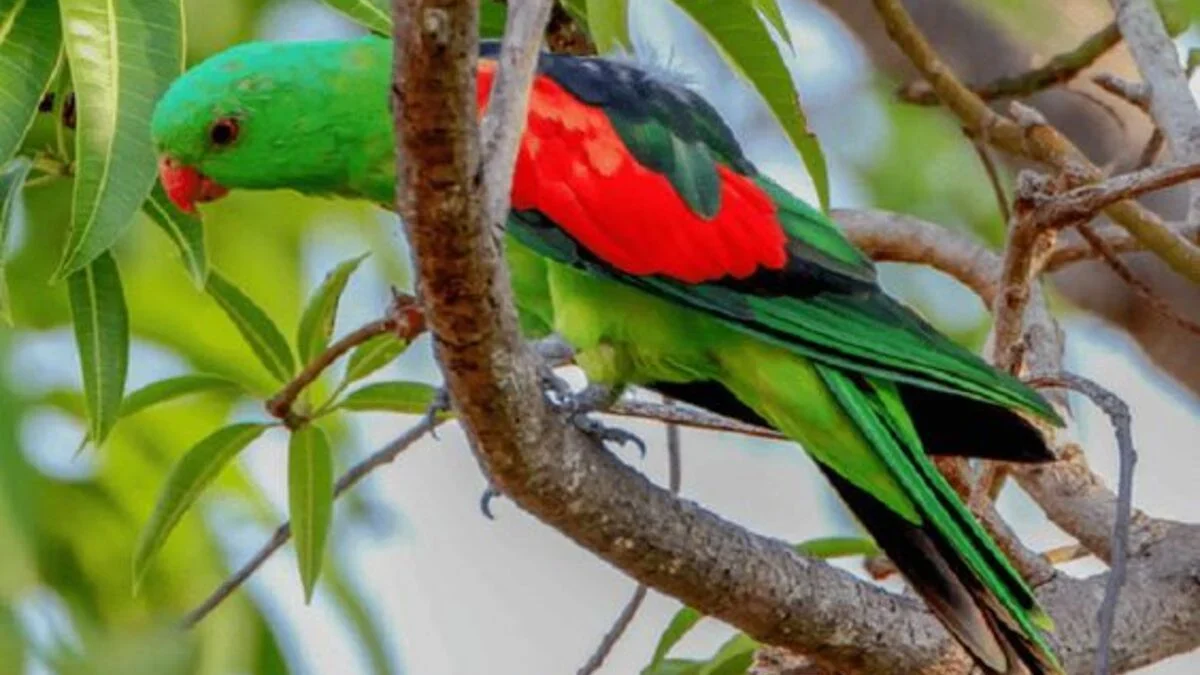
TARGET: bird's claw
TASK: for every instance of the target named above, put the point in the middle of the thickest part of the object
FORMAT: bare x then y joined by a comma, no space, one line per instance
485,501
440,404
606,434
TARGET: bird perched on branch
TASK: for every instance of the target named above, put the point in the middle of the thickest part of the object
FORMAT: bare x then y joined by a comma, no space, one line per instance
642,235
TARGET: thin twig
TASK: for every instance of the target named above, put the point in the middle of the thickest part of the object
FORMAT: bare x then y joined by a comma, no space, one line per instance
690,417
1041,143
616,631
1143,289
674,477
1122,422
1118,240
1153,147
1085,202
1136,94
404,319
283,533
1016,274
985,158
1060,69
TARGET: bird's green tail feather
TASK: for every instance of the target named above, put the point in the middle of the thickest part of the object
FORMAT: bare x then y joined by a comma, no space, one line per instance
875,407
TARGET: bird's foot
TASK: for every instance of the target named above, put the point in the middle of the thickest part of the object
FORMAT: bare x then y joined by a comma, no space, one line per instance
485,501
595,398
438,406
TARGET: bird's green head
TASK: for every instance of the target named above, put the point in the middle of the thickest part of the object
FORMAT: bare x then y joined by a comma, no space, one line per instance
297,115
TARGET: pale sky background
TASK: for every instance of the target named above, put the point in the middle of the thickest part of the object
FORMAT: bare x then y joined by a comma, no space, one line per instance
462,595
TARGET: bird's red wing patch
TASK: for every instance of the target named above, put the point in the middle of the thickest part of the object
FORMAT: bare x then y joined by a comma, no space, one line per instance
574,169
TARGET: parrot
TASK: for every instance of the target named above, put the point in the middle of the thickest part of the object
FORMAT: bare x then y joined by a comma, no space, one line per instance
641,234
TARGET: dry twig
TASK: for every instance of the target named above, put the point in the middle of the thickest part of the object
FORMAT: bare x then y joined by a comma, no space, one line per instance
1118,413
1060,69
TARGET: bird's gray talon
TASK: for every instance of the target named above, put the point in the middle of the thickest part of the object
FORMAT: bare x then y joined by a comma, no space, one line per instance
606,434
439,405
485,502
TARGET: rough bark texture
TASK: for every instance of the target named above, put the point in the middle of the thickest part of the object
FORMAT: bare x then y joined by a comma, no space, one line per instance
753,582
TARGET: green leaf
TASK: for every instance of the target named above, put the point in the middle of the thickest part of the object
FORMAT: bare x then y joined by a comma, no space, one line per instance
316,323
608,21
188,478
30,37
102,334
123,55
185,229
372,355
375,15
12,179
676,667
733,658
837,547
399,397
310,500
256,327
492,18
578,11
683,621
740,34
774,15
170,389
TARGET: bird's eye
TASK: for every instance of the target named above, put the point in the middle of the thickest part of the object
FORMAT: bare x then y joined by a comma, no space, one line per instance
224,131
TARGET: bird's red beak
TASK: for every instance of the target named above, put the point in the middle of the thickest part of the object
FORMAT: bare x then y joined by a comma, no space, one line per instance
185,186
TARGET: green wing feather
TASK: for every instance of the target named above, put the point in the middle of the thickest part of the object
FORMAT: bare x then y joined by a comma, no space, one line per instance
875,407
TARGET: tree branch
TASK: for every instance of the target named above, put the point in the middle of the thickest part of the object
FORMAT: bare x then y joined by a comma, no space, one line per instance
1041,143
1060,69
283,533
1171,103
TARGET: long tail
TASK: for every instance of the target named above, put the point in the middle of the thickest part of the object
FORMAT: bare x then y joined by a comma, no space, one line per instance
947,557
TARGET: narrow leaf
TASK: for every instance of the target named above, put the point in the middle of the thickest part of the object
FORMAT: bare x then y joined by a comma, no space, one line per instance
12,179
837,547
676,667
30,41
256,327
375,15
399,397
123,55
101,324
733,658
774,15
310,500
608,21
170,389
372,355
683,621
188,478
316,323
186,230
740,34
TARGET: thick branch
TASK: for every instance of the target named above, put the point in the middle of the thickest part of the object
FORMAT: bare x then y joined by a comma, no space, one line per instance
1171,102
